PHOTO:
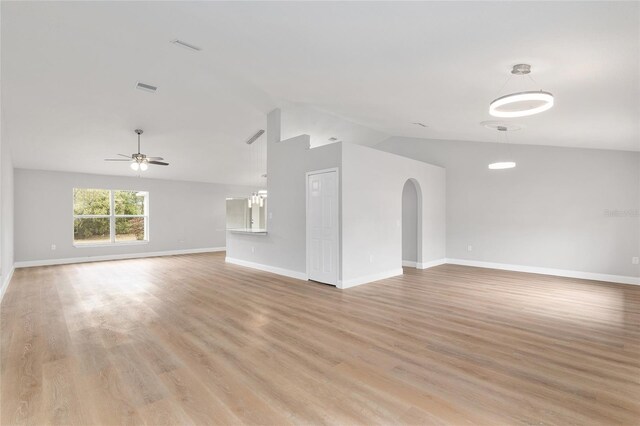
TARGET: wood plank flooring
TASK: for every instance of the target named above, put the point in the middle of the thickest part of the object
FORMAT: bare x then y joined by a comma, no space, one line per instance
192,340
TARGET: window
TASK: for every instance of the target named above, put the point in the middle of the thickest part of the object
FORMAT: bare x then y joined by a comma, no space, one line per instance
103,216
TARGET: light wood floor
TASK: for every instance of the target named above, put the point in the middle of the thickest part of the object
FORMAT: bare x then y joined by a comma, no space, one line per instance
192,340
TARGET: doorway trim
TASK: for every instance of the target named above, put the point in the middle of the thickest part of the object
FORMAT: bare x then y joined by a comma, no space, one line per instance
306,223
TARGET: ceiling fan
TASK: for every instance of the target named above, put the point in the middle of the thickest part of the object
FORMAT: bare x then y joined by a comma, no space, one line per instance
139,161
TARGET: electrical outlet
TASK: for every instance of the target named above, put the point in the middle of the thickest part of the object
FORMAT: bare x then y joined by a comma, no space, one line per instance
370,258
635,260
469,247
53,246
270,215
253,249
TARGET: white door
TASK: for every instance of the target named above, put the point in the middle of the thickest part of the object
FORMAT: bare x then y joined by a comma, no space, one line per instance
322,226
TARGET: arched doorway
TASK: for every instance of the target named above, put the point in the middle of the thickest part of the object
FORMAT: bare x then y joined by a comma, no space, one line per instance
411,224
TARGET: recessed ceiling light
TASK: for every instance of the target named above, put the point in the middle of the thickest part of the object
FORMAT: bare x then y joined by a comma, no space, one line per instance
146,87
186,45
420,124
333,139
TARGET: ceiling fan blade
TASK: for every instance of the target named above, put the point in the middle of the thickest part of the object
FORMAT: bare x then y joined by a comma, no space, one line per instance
127,156
116,159
159,163
155,158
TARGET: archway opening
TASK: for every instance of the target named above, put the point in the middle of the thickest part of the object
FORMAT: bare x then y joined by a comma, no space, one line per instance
411,224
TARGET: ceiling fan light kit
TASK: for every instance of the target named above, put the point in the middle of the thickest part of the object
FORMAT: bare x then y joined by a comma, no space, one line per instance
521,104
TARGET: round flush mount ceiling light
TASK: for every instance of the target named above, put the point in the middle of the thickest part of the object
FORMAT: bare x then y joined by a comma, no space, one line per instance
521,104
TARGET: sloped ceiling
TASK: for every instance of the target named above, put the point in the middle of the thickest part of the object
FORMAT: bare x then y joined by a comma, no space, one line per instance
69,70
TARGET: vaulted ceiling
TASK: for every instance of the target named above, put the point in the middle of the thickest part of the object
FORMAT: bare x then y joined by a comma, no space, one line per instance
69,70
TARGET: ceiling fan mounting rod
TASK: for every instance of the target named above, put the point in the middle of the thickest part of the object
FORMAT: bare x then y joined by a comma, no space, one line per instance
138,132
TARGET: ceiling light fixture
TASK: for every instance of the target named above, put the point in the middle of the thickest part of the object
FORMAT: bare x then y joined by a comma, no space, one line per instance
500,165
257,199
521,104
495,124
258,159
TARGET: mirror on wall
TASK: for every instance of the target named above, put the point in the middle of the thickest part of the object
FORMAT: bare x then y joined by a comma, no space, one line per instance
247,214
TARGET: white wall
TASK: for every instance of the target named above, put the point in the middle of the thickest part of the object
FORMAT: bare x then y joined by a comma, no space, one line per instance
183,215
6,216
283,248
409,223
372,183
550,211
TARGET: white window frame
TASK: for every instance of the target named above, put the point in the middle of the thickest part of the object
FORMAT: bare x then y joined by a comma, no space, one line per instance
112,220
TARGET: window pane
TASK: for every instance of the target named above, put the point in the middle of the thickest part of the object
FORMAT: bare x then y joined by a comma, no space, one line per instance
91,230
129,202
129,228
91,201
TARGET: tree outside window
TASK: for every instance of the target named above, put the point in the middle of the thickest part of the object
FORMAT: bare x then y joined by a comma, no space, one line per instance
102,216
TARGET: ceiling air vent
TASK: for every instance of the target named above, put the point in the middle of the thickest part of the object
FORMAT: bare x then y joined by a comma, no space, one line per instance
255,137
186,45
146,87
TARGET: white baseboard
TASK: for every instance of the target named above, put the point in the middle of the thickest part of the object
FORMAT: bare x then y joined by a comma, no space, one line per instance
621,279
431,263
273,269
369,278
423,265
65,261
6,282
